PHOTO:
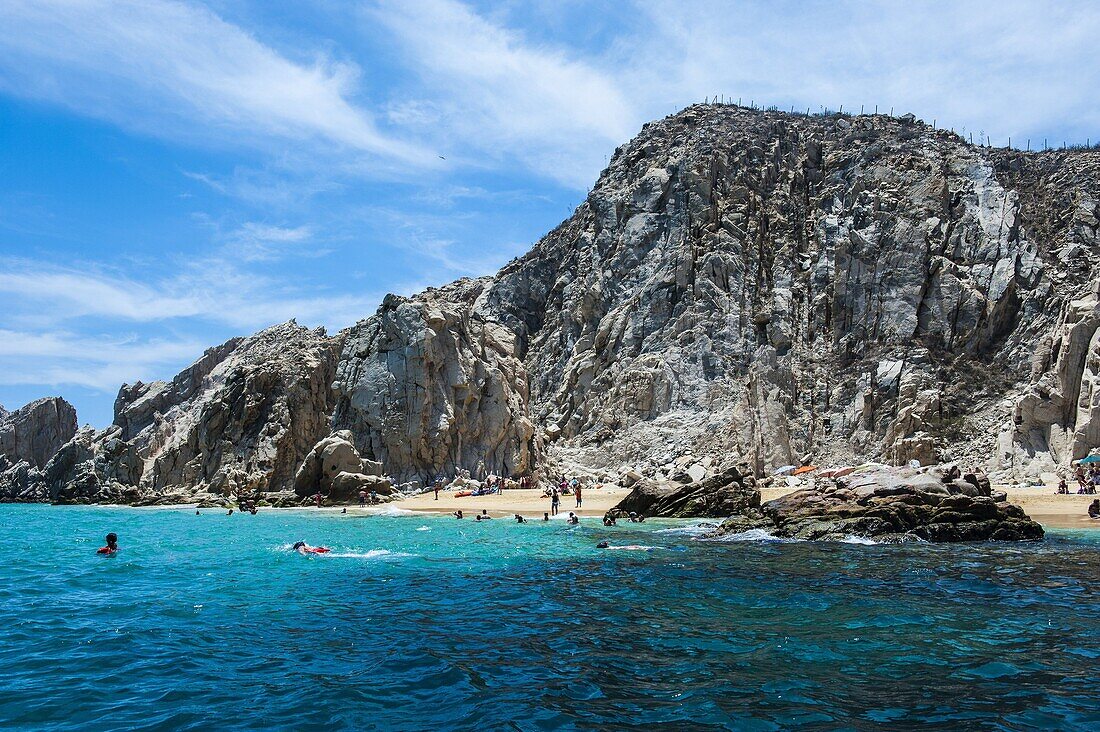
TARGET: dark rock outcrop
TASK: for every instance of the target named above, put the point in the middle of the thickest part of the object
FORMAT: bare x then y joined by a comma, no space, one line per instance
725,494
892,506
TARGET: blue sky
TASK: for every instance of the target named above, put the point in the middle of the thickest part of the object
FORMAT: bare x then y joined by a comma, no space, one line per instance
173,174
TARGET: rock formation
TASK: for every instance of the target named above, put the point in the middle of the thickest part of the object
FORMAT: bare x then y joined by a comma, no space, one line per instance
430,385
35,432
765,287
892,505
29,437
334,469
726,494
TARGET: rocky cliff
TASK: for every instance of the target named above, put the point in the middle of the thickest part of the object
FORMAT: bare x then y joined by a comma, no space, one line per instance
35,432
765,287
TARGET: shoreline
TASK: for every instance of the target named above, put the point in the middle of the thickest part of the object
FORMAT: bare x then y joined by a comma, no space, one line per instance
1051,510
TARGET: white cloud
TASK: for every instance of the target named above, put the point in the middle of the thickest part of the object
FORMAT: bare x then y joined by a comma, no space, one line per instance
102,363
498,96
214,290
174,68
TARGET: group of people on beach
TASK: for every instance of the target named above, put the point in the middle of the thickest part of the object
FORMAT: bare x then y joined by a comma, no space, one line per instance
563,488
1087,480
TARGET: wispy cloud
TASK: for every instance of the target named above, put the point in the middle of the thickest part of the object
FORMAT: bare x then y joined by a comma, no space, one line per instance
214,290
175,68
498,97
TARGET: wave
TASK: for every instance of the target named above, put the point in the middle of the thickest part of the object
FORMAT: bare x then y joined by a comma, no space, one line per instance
372,554
425,528
852,539
752,535
351,553
388,510
693,530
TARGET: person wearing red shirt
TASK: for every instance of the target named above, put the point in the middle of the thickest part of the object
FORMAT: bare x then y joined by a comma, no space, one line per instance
112,545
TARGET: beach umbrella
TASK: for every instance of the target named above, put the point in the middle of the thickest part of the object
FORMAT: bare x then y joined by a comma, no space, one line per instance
804,469
1091,459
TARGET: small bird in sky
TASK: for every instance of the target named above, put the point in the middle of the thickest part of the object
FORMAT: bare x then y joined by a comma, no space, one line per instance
442,158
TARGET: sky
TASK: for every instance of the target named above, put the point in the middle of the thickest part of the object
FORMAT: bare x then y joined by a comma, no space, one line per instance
174,174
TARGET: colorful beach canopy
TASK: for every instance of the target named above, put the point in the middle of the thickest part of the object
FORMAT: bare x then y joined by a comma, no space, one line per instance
1091,459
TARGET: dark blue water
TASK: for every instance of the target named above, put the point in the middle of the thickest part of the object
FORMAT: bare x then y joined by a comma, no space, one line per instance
209,622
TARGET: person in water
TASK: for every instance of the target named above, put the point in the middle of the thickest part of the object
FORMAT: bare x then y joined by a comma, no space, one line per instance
545,516
1094,509
303,548
573,518
112,545
627,547
458,514
520,519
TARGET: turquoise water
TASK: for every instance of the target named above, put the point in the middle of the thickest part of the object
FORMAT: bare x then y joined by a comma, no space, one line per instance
211,622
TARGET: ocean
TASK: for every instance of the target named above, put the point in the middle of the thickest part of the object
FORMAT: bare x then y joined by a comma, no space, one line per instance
429,623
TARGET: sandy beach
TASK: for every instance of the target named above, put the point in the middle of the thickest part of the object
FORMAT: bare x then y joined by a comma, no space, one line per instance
528,503
1042,504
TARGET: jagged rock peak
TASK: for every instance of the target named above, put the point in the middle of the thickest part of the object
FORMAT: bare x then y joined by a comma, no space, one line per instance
36,431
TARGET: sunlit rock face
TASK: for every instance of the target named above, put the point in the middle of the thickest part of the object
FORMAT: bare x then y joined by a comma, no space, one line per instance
740,287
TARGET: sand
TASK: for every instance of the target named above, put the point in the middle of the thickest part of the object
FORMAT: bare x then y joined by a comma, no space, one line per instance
528,503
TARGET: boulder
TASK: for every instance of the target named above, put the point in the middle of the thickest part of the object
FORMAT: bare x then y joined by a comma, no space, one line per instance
722,495
330,458
346,486
891,505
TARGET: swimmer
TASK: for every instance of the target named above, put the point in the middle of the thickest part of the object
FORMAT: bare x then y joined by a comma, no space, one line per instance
545,516
458,514
573,519
303,548
112,545
609,520
626,547
230,512
197,512
520,519
345,510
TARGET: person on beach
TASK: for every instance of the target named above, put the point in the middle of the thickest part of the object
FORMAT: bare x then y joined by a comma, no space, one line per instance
573,519
317,497
437,485
362,498
577,494
305,549
1063,487
1094,509
112,545
555,499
